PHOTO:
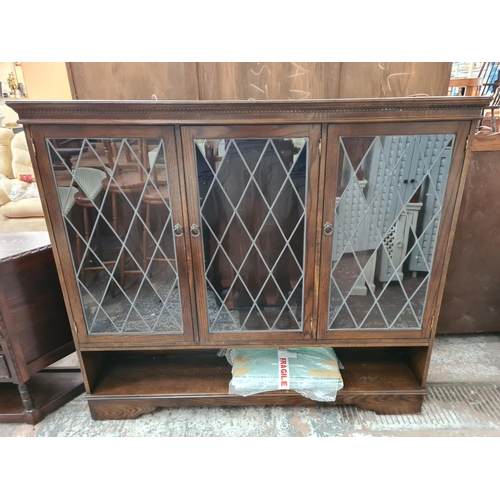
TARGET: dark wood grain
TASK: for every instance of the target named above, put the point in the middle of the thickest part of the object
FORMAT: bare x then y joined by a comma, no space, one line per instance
329,174
133,80
393,79
245,112
185,225
473,282
180,243
484,142
313,190
417,359
51,206
451,204
368,341
387,404
131,408
189,134
319,324
366,370
34,300
256,80
4,368
127,375
380,381
36,325
48,390
449,215
51,357
267,81
453,221
94,366
34,331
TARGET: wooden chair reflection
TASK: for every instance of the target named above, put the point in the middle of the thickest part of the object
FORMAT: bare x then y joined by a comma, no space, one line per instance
154,198
85,188
467,86
89,181
123,180
127,181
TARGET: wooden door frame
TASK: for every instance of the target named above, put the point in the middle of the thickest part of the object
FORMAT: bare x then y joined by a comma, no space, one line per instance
189,134
59,237
461,131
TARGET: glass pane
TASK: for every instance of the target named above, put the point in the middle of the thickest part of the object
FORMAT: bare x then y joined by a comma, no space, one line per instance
252,203
390,192
114,197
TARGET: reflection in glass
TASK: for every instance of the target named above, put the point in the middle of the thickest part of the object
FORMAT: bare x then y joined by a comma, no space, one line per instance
114,197
252,204
390,192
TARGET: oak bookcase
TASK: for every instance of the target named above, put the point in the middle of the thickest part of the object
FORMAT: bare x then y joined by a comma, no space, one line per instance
180,228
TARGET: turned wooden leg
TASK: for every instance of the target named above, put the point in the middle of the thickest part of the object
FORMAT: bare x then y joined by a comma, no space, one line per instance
86,230
128,155
80,257
145,241
141,145
114,210
109,155
31,414
86,225
114,150
26,397
122,269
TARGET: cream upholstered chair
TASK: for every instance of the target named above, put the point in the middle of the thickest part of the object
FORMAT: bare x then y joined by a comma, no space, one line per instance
25,214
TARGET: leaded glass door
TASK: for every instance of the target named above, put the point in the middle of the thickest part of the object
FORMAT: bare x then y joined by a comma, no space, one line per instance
252,195
385,208
122,222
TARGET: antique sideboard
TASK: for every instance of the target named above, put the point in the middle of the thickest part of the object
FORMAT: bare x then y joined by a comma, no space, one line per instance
34,331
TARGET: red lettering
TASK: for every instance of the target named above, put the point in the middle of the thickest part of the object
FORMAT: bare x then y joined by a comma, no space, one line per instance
284,373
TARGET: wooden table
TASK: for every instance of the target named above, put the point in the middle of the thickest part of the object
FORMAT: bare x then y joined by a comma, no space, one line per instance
34,331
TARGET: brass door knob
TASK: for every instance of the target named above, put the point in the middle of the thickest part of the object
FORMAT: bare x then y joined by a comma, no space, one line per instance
178,230
328,228
195,230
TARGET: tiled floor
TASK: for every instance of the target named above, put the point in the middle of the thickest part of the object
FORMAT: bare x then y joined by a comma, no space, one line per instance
463,400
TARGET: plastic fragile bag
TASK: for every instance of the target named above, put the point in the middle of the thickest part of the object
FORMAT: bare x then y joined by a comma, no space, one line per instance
18,190
312,372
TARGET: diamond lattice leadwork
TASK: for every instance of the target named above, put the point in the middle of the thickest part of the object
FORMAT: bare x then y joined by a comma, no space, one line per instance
387,214
114,196
252,205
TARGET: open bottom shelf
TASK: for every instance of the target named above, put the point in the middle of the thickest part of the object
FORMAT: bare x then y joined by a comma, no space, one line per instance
48,390
379,380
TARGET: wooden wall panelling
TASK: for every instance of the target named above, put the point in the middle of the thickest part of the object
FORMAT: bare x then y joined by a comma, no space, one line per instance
133,80
473,282
264,81
393,79
254,80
